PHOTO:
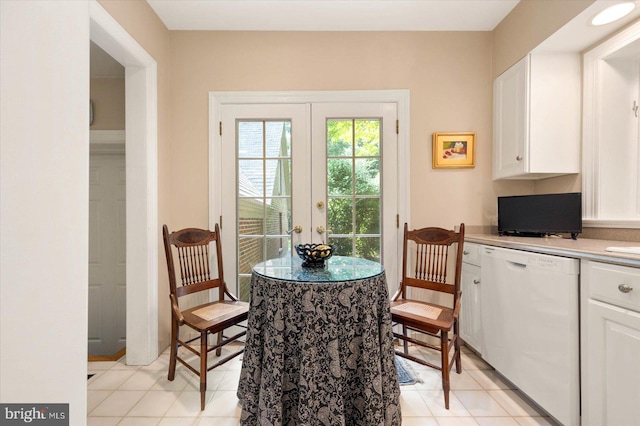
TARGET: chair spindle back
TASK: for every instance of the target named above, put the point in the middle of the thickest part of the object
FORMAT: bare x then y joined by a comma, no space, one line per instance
431,261
193,253
194,263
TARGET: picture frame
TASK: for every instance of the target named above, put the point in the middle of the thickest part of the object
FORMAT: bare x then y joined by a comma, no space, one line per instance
454,150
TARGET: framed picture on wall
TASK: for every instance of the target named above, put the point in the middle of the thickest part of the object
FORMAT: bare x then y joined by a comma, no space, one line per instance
454,150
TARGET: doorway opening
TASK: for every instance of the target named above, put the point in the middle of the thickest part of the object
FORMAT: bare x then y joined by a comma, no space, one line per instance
141,192
107,209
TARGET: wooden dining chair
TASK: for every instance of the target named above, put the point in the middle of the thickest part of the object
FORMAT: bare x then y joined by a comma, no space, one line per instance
192,249
429,249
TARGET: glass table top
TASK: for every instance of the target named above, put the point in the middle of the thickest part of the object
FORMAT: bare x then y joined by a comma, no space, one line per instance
336,269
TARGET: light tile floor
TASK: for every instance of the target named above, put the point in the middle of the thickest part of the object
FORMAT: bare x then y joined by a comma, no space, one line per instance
125,395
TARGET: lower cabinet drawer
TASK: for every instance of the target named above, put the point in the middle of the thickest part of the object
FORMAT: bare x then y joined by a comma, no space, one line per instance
471,253
618,285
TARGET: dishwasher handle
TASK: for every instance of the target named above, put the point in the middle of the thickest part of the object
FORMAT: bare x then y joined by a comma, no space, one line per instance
516,265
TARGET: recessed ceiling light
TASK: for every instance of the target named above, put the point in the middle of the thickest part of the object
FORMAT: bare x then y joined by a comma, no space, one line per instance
613,13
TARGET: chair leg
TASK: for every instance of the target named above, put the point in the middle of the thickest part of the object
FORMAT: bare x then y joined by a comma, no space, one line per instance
203,368
173,352
444,345
219,350
456,346
404,342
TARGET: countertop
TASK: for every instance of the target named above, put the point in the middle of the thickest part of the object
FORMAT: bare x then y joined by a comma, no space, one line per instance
582,248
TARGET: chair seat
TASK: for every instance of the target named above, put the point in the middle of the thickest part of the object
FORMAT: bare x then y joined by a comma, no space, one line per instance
215,315
422,315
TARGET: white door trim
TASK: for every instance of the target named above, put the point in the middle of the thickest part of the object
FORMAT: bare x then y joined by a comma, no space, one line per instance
141,93
218,99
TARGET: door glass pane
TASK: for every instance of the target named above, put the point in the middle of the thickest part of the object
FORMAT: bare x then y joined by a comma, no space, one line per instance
339,138
368,247
278,138
353,186
339,176
249,139
251,252
344,246
278,218
367,176
250,177
368,217
279,177
263,194
251,211
340,215
367,136
244,287
276,247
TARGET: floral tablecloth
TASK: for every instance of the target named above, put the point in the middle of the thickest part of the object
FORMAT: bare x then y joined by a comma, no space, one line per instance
319,354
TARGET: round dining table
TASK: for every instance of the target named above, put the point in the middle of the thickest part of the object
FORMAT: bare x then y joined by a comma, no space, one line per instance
319,346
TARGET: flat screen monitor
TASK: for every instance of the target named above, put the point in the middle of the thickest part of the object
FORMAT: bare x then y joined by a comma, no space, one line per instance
540,215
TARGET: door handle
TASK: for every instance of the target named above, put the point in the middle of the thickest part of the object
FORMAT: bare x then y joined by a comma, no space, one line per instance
320,230
297,229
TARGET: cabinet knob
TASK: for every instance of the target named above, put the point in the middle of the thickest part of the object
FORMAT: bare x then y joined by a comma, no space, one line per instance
465,252
519,158
476,281
625,288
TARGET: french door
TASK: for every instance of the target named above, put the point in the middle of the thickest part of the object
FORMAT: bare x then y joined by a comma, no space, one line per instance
307,172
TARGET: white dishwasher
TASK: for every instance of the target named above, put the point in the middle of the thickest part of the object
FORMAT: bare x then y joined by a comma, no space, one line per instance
529,309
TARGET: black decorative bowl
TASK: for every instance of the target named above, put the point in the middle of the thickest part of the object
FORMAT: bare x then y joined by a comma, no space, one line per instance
314,255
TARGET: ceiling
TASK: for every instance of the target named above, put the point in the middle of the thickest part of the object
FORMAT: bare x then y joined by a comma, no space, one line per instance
332,15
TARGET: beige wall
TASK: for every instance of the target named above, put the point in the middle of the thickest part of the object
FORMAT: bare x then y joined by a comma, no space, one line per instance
107,96
448,75
137,17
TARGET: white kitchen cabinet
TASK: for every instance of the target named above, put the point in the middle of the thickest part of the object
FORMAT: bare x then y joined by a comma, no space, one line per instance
610,335
470,319
536,117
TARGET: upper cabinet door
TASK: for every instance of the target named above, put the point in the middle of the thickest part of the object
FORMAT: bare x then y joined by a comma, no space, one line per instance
537,118
510,112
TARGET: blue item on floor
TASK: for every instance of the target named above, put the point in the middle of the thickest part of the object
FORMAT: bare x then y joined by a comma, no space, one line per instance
405,374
